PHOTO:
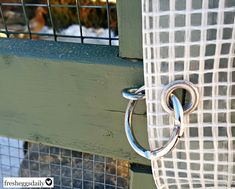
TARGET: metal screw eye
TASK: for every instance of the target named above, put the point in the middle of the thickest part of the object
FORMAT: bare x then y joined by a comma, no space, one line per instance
134,93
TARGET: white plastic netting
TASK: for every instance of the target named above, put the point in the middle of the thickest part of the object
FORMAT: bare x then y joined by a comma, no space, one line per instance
192,40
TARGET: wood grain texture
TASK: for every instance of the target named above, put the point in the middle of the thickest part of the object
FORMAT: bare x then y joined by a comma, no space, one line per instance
68,95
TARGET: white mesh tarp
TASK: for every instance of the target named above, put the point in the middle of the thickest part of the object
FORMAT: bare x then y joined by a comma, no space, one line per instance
192,40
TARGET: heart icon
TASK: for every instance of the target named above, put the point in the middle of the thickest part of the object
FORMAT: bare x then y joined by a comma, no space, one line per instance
48,181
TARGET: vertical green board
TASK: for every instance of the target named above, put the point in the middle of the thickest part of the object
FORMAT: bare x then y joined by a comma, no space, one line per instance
141,177
130,29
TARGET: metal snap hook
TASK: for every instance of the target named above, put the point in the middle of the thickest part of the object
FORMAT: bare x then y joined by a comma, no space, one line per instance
177,131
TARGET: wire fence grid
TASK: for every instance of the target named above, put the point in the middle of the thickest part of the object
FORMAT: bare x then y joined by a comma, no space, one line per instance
82,21
70,169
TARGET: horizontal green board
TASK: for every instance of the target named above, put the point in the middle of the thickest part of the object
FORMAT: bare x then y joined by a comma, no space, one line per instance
69,95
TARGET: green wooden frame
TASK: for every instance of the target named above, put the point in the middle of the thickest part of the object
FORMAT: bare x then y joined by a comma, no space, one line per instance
141,177
130,28
69,95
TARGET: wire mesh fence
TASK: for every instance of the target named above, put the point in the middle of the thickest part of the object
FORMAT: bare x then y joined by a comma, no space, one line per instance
70,169
82,21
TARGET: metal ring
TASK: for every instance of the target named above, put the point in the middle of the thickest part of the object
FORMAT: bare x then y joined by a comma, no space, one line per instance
180,84
134,93
162,151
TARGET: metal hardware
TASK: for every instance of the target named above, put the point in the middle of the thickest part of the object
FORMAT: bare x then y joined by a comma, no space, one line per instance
176,134
180,84
132,94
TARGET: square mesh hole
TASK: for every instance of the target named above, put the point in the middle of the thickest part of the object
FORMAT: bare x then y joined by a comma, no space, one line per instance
223,76
207,131
179,51
208,77
207,117
223,133
179,66
164,37
227,33
194,65
222,118
194,78
213,4
212,18
195,35
210,50
209,64
223,63
207,91
207,104
208,157
194,144
225,48
164,52
179,36
164,5
193,132
194,156
196,19
194,50
193,118
208,145
208,167
164,21
182,165
229,17
211,34
223,90
229,3
180,4
197,4
180,20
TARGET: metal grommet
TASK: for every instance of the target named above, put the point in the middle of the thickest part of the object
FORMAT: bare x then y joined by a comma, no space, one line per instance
180,84
176,134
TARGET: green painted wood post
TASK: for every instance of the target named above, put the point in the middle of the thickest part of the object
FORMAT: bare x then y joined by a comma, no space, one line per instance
141,177
130,46
130,28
